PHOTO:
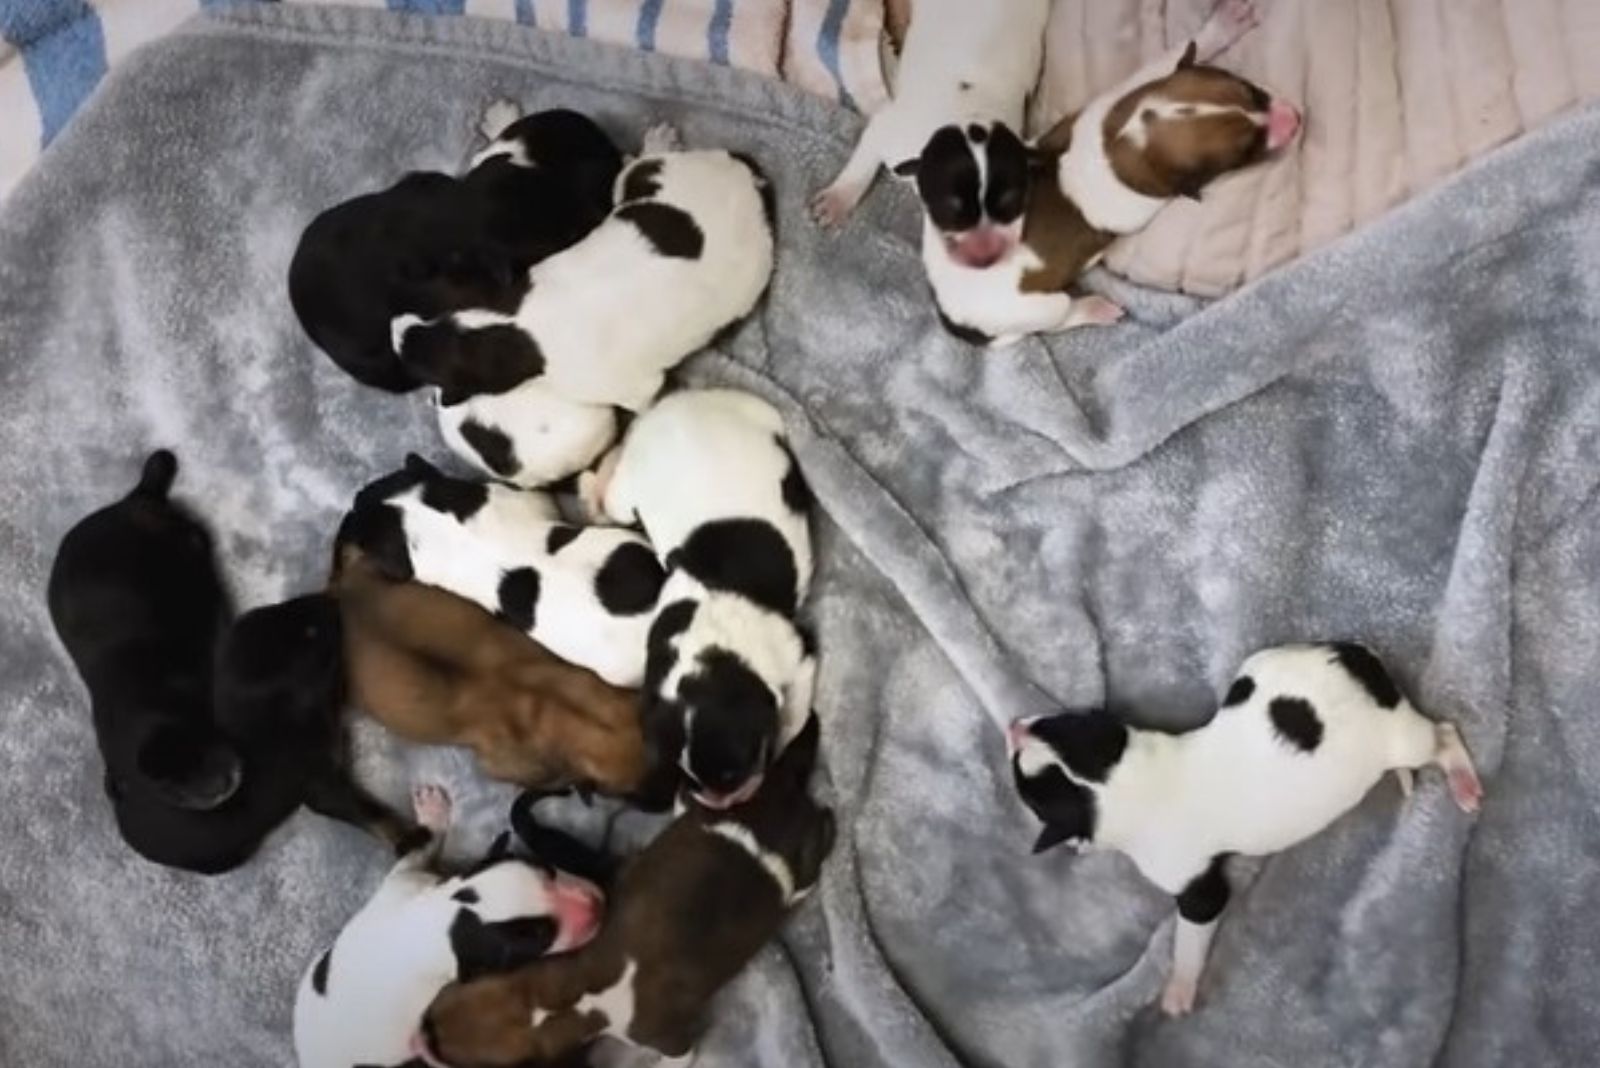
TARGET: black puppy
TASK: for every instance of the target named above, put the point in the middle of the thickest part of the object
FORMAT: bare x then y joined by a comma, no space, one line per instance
201,763
432,243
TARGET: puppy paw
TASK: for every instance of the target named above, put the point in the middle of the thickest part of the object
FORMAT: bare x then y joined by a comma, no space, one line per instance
1177,999
1096,311
497,116
1465,786
662,137
832,206
432,806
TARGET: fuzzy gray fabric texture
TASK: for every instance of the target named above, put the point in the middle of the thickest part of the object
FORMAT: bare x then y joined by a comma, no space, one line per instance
1396,439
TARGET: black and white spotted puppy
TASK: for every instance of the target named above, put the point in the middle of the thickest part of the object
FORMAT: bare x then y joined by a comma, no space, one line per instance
729,675
1304,732
685,253
588,594
529,435
360,1001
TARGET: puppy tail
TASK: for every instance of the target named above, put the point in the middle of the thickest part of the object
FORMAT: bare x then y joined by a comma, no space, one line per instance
159,470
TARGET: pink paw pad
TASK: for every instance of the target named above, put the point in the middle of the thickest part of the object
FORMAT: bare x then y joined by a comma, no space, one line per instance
432,806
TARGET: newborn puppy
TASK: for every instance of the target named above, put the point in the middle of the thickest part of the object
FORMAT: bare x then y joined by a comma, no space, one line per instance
432,243
1304,732
963,64
361,1000
729,673
1166,132
688,913
136,600
529,435
437,669
587,594
685,254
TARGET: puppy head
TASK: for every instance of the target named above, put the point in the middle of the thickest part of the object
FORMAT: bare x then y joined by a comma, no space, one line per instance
465,360
973,181
1172,137
509,913
182,763
730,726
284,660
1056,762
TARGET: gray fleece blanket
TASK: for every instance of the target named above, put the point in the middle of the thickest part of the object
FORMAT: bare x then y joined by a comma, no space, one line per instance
1396,439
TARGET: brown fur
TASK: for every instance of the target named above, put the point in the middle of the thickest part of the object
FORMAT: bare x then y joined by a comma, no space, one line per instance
689,913
1179,157
437,669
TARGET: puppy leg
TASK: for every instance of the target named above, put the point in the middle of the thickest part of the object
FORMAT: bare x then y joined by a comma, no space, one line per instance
1201,902
833,205
1452,756
662,137
1054,313
1229,21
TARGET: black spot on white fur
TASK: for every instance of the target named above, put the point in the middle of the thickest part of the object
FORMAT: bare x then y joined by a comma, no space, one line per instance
671,231
971,335
457,496
1206,895
977,134
519,597
1296,722
561,535
744,556
493,447
319,974
642,181
379,531
489,948
661,657
1240,691
796,493
1067,808
1365,667
466,895
1090,744
629,582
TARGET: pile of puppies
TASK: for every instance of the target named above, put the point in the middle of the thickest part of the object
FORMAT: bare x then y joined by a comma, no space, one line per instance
644,641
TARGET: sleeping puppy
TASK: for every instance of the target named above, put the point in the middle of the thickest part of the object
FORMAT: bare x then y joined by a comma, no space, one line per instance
437,669
433,243
136,599
1303,733
729,673
688,913
963,63
360,1001
685,254
529,435
1166,132
587,594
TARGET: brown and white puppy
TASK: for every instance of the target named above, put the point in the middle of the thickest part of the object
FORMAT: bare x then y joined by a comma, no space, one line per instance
437,669
1165,132
687,914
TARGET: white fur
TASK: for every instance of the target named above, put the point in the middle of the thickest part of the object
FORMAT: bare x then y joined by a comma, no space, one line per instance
993,48
394,956
552,437
510,531
1174,802
612,316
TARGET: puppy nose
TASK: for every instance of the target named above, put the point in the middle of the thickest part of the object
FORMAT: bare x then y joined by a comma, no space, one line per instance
1283,122
1016,734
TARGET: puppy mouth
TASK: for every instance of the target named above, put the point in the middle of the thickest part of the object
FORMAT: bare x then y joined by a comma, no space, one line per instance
1283,122
578,909
980,247
720,802
1017,734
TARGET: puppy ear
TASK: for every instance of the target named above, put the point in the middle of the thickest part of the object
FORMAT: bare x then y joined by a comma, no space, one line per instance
1049,838
907,168
1187,60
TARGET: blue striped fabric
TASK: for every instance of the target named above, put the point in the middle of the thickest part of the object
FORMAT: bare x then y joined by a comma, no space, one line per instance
62,45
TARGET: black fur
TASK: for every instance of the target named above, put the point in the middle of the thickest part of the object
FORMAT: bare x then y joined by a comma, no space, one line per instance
734,722
561,535
466,895
1240,691
1296,722
319,974
558,850
457,496
629,582
1089,743
671,231
642,180
796,492
488,948
432,244
660,657
469,362
494,448
379,531
1365,667
956,193
744,556
1206,895
519,597
970,334
1067,808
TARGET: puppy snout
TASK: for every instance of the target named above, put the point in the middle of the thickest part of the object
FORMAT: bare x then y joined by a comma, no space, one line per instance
980,248
1283,122
1017,733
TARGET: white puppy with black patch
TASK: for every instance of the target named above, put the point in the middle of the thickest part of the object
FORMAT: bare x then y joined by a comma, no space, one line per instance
529,435
360,1001
685,254
1303,733
588,594
962,63
729,672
